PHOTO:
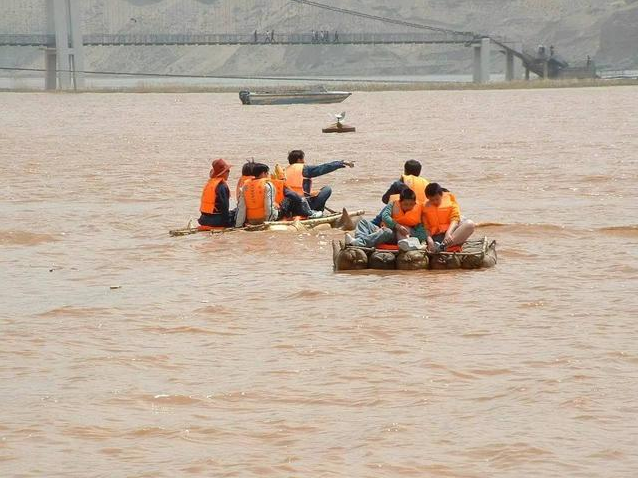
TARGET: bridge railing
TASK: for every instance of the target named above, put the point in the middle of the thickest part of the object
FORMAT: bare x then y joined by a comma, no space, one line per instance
271,38
26,39
242,38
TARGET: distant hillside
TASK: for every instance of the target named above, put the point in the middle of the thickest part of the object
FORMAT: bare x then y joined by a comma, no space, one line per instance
606,30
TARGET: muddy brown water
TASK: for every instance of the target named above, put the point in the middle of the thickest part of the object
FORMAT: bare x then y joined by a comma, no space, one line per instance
245,355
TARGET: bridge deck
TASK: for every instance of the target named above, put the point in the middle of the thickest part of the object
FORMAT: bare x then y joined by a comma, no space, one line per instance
244,39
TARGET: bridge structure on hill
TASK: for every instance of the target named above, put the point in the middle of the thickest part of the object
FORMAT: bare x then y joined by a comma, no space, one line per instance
64,28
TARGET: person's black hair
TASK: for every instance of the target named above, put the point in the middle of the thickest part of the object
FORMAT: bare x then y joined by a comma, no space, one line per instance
412,167
295,155
407,194
433,189
247,168
259,169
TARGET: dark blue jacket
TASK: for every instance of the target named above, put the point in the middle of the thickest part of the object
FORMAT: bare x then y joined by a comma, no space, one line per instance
395,188
221,217
319,170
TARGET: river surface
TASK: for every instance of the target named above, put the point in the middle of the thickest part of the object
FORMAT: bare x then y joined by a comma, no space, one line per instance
244,355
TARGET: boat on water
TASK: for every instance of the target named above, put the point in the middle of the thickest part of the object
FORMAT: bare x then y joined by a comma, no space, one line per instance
343,220
292,97
474,254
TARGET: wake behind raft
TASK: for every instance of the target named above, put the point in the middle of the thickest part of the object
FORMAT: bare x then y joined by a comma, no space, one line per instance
475,254
343,220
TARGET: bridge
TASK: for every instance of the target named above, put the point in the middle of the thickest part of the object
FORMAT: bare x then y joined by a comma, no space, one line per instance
63,28
158,39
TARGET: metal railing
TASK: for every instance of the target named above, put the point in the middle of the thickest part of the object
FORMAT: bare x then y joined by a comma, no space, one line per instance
255,38
26,40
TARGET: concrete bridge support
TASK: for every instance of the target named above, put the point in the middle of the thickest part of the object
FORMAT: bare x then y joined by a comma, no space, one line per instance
65,58
512,64
482,61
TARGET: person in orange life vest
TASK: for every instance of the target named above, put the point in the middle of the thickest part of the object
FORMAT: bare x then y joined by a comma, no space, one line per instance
401,220
293,204
411,179
215,201
246,175
264,199
299,178
442,219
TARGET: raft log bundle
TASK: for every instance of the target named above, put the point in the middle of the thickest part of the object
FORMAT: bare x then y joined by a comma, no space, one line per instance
476,254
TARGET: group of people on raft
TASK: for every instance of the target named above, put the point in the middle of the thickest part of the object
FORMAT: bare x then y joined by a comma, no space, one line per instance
262,196
418,214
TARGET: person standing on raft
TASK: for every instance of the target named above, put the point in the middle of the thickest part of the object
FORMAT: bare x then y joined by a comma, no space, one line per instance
215,202
401,220
443,221
265,199
299,178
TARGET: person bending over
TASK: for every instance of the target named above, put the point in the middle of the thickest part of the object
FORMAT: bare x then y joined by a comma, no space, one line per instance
215,201
442,219
299,178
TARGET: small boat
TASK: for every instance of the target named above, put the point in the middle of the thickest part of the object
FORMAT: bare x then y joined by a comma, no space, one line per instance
292,97
475,254
339,127
343,220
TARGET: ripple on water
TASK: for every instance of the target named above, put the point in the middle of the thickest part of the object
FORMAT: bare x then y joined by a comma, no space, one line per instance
25,238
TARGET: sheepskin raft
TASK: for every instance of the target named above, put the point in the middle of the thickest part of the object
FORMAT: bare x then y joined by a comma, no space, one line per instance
345,221
476,254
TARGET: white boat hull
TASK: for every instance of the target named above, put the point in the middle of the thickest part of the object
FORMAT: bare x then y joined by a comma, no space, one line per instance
248,98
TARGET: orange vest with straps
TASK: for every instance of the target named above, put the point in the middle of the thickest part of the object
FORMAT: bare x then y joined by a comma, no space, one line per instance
294,178
279,184
255,196
240,184
417,184
209,196
411,218
438,219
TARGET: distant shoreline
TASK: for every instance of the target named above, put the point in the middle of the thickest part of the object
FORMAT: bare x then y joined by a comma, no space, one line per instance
352,86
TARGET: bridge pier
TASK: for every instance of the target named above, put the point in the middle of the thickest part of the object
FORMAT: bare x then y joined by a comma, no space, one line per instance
51,74
64,59
482,61
512,67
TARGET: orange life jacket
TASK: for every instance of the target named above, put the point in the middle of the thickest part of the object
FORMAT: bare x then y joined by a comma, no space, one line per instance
279,184
294,178
254,196
240,184
417,184
209,196
408,219
438,219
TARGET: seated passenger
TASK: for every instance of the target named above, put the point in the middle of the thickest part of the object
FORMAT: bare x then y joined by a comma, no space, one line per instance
442,219
215,201
401,220
246,175
292,204
299,178
265,199
411,178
